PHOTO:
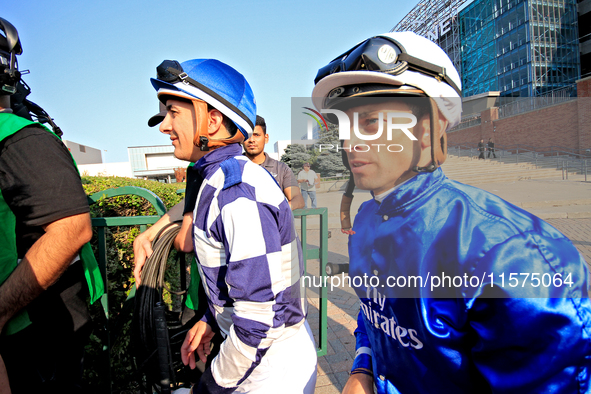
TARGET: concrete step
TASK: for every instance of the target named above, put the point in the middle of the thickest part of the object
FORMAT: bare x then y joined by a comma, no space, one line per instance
498,170
480,181
556,203
475,171
471,169
528,158
502,177
543,161
474,162
513,168
562,212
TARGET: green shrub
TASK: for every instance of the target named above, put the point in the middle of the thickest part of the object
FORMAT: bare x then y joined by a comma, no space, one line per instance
120,277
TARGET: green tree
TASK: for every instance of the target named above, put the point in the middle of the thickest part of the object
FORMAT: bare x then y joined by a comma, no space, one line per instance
330,164
295,156
329,161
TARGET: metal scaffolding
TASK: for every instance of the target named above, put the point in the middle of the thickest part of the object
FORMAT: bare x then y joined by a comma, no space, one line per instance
518,47
436,20
522,48
554,45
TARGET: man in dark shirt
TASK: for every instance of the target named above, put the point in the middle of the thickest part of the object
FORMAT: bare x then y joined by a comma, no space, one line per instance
481,149
491,148
254,149
44,222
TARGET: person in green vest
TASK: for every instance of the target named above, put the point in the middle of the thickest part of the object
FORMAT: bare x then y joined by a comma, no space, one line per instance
44,252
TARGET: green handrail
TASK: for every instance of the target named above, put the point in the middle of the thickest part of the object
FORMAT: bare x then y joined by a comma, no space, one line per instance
320,253
130,190
101,224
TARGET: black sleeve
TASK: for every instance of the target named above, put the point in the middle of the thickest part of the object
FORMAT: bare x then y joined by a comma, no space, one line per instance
194,181
38,178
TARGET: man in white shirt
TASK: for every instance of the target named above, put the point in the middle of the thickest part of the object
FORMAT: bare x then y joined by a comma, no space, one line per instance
308,180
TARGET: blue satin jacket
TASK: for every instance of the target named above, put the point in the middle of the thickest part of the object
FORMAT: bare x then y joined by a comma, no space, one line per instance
513,317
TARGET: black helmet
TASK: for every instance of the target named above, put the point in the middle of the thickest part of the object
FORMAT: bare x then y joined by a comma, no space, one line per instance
10,47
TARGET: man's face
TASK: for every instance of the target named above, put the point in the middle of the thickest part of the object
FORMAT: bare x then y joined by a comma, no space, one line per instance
179,124
306,168
376,169
256,144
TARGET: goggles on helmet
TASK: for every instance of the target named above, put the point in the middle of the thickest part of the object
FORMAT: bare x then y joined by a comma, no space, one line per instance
172,72
386,55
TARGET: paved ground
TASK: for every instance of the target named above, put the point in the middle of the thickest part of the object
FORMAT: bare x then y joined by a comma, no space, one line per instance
579,232
549,199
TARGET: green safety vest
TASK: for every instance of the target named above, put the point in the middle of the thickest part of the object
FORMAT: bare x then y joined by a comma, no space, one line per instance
9,125
193,290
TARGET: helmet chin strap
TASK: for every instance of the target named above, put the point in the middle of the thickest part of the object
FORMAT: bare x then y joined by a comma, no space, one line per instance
201,139
438,147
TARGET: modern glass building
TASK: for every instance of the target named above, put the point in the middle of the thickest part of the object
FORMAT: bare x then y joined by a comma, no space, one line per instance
154,162
584,7
438,21
522,48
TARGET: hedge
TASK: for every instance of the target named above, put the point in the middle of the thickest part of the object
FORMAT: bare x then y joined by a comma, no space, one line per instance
120,272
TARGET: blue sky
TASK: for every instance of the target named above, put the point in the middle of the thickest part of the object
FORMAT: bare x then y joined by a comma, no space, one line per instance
91,61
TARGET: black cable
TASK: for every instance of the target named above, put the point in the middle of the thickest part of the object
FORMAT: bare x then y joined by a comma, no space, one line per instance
25,108
163,346
153,345
150,291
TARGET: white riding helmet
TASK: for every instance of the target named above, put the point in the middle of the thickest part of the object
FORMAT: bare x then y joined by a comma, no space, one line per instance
392,64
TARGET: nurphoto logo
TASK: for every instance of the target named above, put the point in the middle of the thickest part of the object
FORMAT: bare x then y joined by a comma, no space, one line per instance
393,121
317,118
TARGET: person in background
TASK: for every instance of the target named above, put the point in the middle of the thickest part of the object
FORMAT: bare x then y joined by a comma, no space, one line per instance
491,148
481,149
308,180
254,148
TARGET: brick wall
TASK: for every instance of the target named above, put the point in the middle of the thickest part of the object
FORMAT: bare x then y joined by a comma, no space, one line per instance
584,87
567,125
468,136
584,112
556,125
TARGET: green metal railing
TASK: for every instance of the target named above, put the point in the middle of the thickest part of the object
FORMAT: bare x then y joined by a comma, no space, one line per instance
101,223
320,253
